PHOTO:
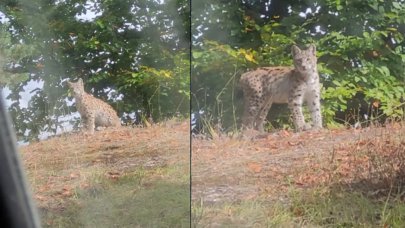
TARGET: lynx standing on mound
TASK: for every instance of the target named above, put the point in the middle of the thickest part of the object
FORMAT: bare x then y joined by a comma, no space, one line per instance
93,111
293,85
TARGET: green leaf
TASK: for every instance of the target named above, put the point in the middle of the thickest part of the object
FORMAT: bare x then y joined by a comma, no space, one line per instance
391,15
197,54
336,82
383,70
396,5
100,24
266,28
381,10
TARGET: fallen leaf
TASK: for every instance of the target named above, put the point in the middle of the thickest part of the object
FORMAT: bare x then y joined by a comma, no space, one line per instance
298,212
74,175
40,198
66,192
285,133
295,143
254,167
113,175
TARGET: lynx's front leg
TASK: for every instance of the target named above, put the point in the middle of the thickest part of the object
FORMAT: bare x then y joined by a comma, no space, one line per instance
89,123
295,104
313,102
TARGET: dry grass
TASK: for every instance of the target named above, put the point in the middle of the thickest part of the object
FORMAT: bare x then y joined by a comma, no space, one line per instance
290,179
125,177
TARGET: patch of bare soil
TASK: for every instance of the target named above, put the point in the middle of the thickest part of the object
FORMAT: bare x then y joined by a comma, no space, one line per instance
60,166
231,170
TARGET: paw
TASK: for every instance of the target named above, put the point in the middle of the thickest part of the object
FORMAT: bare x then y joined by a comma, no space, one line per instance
307,127
249,133
87,131
260,129
317,126
303,127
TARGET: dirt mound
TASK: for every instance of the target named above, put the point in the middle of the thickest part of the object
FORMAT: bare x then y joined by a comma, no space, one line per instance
66,173
230,170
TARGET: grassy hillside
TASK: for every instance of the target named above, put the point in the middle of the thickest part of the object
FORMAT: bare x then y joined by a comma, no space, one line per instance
127,177
330,178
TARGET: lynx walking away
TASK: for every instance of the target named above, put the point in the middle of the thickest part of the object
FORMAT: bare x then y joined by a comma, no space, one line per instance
293,85
93,111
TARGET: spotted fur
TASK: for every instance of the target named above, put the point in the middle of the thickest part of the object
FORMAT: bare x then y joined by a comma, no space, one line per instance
293,85
93,111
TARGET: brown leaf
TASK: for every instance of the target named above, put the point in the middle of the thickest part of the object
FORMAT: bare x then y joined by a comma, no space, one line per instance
285,133
74,175
113,175
295,143
254,167
271,145
40,198
376,104
298,212
66,192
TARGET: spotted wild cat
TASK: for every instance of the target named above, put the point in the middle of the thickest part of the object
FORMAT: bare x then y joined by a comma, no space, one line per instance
293,85
93,111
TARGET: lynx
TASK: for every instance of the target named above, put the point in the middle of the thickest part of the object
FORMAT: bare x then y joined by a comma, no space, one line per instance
93,111
293,85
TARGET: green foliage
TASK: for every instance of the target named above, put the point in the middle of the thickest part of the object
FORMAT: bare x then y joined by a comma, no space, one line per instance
206,62
138,49
360,49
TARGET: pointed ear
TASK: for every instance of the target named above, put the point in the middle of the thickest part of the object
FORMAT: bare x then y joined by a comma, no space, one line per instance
295,50
312,48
